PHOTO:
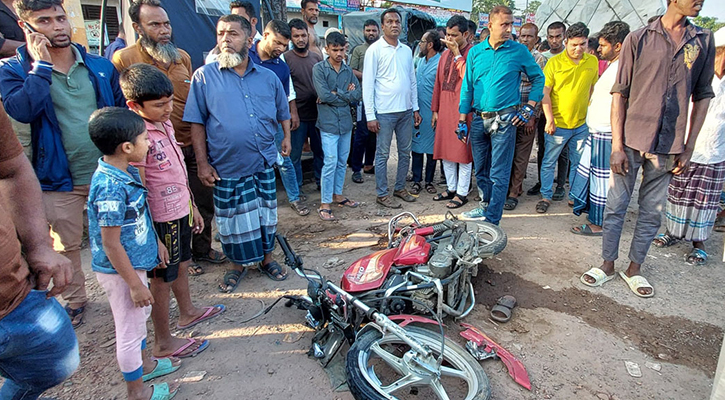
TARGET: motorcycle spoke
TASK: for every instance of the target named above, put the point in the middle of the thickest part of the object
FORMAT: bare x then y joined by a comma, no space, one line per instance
401,383
455,373
394,362
439,390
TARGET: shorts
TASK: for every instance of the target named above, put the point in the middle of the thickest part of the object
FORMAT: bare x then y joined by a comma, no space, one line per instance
176,236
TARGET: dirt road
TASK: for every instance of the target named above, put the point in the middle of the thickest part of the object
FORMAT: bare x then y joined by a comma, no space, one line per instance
573,340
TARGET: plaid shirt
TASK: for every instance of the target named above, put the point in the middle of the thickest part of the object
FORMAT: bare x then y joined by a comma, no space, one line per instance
526,85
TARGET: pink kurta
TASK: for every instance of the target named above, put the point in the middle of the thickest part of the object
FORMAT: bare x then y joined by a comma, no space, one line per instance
446,95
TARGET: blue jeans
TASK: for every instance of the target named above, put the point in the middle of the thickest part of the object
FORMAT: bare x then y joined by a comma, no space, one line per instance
574,139
493,154
298,137
363,145
402,124
287,171
336,148
38,348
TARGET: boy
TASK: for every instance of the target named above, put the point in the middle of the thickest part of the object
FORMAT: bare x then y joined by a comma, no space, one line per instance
124,245
149,94
337,87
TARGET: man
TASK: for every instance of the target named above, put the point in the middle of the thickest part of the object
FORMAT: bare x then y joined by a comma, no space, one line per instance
391,105
656,143
455,154
224,132
300,61
570,79
429,50
491,89
472,27
40,349
363,145
310,14
154,47
555,41
525,135
589,184
11,34
246,10
266,53
118,44
54,85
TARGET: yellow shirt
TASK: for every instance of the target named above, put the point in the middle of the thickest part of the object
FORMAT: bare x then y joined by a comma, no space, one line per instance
570,85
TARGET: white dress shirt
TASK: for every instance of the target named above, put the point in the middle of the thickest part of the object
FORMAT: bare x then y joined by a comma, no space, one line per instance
389,84
600,105
710,144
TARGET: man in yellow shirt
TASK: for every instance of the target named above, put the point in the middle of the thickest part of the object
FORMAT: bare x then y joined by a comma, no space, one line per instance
570,78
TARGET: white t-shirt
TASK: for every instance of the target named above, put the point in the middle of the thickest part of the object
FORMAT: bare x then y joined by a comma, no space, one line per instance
600,105
710,145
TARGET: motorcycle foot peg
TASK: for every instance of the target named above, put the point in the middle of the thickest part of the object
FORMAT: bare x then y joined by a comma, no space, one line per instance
317,351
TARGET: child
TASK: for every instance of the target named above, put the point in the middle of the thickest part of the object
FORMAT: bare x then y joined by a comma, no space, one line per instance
124,245
337,87
149,94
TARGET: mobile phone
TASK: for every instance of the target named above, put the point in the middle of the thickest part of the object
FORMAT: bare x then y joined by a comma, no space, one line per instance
28,28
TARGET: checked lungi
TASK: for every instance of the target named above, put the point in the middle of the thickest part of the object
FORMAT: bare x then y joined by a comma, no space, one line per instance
245,211
693,201
589,184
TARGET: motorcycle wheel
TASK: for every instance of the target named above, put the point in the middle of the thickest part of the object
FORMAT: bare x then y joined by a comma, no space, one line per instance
377,370
492,239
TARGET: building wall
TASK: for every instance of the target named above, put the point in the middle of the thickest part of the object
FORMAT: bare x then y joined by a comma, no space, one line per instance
325,21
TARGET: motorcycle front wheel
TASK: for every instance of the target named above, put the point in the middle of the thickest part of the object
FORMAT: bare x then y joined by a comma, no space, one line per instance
380,367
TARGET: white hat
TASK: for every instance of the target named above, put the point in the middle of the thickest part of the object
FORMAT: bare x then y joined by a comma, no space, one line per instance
330,30
720,37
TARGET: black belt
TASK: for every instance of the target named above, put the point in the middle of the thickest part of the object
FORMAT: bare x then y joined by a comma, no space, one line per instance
493,114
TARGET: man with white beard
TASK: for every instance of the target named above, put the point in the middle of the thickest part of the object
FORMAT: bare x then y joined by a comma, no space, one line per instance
224,132
154,47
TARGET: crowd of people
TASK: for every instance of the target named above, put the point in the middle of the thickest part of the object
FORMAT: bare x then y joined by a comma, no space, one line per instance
158,152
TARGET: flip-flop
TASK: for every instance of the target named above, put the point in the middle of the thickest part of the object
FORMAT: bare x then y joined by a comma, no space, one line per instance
637,282
348,203
585,230
203,346
161,392
511,203
664,240
324,211
227,285
206,316
696,257
501,312
218,258
272,269
195,269
164,366
600,277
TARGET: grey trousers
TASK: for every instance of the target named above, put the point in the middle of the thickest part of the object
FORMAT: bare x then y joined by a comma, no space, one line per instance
652,197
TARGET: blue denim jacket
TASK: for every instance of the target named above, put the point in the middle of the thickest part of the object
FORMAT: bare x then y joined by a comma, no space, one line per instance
119,199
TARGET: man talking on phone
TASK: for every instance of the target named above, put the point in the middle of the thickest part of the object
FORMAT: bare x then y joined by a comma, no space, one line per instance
54,85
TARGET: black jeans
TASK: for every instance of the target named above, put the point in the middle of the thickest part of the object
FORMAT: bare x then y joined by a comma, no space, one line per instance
430,167
363,145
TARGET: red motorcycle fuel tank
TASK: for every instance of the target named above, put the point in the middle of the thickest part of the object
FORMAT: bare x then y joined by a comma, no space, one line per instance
368,272
412,251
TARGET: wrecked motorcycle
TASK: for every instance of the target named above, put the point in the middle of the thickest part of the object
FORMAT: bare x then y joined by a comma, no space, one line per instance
388,358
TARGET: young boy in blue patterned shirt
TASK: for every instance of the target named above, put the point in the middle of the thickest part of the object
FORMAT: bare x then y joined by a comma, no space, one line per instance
124,245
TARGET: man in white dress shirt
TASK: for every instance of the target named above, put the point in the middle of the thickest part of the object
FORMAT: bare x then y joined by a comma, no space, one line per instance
391,105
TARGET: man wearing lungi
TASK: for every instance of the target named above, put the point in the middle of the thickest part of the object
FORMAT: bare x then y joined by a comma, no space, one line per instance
662,68
234,107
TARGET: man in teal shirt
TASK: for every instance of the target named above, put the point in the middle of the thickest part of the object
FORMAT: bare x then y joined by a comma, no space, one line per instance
491,90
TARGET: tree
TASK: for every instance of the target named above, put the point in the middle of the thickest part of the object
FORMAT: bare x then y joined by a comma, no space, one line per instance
708,23
532,7
278,7
485,6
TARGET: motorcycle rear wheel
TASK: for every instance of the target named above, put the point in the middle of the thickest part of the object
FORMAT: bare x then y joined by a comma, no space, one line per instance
374,358
492,239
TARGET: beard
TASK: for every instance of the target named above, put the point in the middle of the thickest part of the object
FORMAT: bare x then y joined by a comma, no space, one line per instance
370,39
300,49
232,60
165,53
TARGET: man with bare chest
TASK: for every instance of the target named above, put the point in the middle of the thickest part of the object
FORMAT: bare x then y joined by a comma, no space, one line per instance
310,14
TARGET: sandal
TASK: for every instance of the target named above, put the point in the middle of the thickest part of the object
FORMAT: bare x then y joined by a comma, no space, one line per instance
164,366
430,188
195,269
216,257
719,224
542,206
161,391
273,270
585,230
600,277
696,257
416,188
445,195
453,203
348,203
637,282
664,240
208,314
511,203
299,208
326,214
231,280
76,315
357,177
501,312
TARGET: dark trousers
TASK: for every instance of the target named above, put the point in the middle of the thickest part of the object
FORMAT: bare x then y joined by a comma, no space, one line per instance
363,145
430,167
204,199
524,144
562,164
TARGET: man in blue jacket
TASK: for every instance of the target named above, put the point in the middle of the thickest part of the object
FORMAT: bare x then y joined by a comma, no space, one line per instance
54,85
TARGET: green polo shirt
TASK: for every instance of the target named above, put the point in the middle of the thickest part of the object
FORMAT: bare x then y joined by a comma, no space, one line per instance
74,100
